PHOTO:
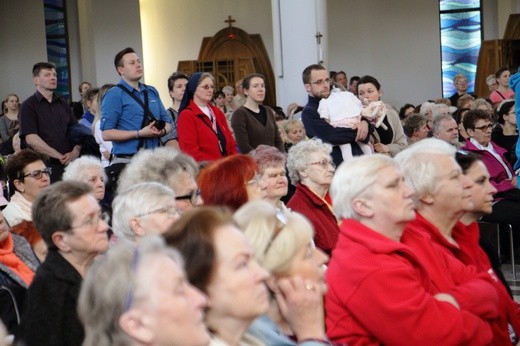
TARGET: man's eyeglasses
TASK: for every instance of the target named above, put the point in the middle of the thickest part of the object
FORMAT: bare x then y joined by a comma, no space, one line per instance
93,221
324,163
170,211
38,174
192,197
320,82
484,127
464,82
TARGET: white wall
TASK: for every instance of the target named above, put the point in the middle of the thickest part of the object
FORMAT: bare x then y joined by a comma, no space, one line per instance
173,31
395,41
22,42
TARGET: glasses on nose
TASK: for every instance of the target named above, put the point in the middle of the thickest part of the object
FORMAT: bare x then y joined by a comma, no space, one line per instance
192,197
324,163
484,127
320,82
38,174
207,87
462,82
93,221
170,211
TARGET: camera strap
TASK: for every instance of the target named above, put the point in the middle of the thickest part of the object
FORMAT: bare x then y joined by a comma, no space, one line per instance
147,112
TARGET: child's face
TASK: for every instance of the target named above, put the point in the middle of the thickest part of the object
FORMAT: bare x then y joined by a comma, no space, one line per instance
296,134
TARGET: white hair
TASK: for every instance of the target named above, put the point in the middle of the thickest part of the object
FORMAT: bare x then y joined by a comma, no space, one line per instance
426,107
298,156
137,199
439,109
417,166
76,169
354,177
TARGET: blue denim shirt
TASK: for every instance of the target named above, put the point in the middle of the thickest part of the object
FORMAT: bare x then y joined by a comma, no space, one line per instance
121,112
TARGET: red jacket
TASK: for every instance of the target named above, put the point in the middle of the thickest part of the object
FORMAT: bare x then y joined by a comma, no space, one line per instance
380,293
326,230
196,136
470,253
475,292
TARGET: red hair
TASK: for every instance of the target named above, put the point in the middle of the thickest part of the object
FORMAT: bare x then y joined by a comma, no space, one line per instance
223,182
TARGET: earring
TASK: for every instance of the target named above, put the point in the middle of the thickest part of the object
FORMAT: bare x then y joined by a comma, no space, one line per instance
22,191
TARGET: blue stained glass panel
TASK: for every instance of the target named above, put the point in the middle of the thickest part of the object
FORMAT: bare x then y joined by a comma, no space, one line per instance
460,45
449,5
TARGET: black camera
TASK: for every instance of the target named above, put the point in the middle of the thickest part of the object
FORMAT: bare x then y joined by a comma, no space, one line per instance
159,124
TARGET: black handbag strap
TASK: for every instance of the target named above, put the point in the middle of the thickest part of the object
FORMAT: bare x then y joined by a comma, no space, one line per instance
147,112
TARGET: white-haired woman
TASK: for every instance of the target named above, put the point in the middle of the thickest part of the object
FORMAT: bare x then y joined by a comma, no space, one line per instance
167,166
378,290
144,208
87,169
282,243
311,169
140,296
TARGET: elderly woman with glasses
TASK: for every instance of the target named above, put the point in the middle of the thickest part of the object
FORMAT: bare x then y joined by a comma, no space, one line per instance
221,263
231,182
167,166
311,169
71,223
379,292
140,296
202,127
144,208
29,176
282,242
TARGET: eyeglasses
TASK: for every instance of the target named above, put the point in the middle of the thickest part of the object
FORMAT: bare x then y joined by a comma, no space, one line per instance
170,211
38,174
192,197
320,82
207,87
324,163
254,181
93,221
281,222
462,82
484,127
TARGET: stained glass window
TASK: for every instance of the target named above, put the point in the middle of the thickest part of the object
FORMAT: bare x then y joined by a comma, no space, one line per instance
461,36
57,43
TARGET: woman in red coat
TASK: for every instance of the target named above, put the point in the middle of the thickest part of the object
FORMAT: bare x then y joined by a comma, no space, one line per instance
379,292
202,128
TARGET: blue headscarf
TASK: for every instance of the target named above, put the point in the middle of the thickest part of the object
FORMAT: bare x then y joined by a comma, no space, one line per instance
193,82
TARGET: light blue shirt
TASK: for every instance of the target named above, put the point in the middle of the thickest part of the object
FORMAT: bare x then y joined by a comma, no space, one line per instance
121,112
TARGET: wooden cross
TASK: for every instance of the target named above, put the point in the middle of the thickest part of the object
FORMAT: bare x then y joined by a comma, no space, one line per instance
230,20
318,37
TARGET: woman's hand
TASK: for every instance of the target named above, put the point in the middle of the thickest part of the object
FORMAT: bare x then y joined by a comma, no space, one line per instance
381,148
301,304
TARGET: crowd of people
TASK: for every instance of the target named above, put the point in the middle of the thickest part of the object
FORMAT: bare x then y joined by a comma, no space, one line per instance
223,221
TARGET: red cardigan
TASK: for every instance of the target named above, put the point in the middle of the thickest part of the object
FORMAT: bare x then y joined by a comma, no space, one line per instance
326,230
379,293
196,136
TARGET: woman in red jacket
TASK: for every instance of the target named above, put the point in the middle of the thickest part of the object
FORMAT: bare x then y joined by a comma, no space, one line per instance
379,292
202,128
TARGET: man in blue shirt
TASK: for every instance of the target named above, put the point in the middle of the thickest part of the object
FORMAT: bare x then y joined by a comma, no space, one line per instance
124,120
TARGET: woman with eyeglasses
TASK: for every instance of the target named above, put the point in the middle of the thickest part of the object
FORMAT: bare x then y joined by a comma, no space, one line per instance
253,123
140,296
506,135
311,169
231,182
144,208
503,92
221,263
29,176
282,243
202,128
167,166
